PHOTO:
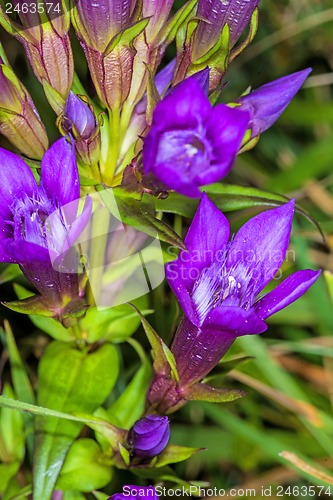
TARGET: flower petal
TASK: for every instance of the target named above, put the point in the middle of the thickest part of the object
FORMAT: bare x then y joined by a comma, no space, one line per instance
205,243
23,251
259,248
268,102
16,180
225,129
60,177
285,293
236,321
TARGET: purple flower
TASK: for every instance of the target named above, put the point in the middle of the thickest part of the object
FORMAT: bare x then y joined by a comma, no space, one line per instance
268,102
25,206
191,144
214,15
149,436
132,492
218,284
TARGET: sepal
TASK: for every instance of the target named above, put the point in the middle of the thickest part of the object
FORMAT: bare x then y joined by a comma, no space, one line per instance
164,360
174,454
203,392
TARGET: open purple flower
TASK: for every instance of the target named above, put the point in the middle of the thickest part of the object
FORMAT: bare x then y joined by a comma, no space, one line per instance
191,144
149,436
25,206
268,102
218,284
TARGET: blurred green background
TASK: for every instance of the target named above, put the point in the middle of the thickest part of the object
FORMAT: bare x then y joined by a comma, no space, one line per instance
281,433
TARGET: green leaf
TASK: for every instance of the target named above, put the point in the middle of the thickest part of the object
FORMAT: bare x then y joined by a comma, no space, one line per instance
69,381
12,447
174,454
163,357
124,454
130,405
7,472
21,382
139,214
228,198
203,392
56,101
84,468
127,36
12,271
114,324
181,17
35,305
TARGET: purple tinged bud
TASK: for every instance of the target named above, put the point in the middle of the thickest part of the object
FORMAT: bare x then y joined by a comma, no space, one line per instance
79,115
48,49
19,119
215,14
158,11
149,436
79,121
268,102
99,21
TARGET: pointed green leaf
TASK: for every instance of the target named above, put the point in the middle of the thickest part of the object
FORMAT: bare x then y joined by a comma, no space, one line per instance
125,454
174,454
127,36
203,392
163,357
183,15
69,381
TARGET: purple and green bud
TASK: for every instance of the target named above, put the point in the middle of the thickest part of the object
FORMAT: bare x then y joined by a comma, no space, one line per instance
191,144
107,30
149,436
158,12
29,237
268,102
80,121
19,119
219,286
46,41
214,15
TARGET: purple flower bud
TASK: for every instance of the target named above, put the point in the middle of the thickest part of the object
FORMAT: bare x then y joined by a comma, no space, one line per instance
191,144
158,11
80,121
215,14
268,102
99,21
47,46
77,114
149,436
19,119
132,492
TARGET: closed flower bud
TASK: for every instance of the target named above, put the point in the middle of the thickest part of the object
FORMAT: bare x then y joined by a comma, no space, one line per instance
268,102
214,15
46,42
79,120
149,436
110,59
19,119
